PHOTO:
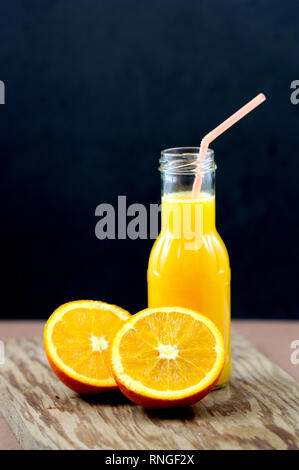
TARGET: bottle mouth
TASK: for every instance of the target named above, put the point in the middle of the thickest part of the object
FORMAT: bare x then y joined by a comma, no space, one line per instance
186,160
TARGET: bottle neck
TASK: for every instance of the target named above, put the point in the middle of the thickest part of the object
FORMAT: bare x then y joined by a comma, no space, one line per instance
183,215
182,210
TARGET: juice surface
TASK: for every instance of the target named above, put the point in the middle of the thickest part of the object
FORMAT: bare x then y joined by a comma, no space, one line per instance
197,275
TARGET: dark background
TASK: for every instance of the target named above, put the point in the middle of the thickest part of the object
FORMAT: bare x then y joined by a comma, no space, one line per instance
94,90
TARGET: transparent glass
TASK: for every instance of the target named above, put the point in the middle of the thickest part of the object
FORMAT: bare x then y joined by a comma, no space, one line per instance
189,264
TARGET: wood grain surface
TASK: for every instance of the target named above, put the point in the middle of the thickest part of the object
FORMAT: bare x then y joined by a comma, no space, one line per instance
258,410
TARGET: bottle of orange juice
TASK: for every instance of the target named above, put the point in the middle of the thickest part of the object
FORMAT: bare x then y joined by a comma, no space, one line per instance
189,264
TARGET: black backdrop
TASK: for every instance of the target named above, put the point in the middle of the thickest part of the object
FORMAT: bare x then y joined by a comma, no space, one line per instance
94,90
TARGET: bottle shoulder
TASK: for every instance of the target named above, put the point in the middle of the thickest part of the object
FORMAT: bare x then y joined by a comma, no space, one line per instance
212,254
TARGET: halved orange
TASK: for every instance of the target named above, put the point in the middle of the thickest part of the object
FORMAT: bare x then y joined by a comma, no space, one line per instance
166,357
77,341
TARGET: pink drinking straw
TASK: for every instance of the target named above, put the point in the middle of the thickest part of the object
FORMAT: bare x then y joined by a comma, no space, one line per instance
204,145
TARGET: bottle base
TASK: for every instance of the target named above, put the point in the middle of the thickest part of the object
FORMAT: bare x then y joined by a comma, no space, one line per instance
220,386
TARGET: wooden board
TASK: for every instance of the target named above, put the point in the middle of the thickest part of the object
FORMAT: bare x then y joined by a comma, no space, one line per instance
258,410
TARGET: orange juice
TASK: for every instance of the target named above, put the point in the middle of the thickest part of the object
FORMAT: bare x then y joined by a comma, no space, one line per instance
192,275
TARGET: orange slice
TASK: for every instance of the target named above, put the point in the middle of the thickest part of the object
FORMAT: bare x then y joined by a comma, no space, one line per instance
77,341
165,357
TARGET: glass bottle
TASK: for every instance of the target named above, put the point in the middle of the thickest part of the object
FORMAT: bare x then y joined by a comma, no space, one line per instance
189,264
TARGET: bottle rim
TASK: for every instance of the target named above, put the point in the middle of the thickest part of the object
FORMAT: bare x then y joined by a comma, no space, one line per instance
186,160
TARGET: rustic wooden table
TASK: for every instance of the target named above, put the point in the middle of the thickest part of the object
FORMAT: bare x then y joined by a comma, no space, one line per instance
272,338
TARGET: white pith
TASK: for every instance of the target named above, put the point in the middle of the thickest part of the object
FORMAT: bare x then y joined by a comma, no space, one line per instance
167,351
98,343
